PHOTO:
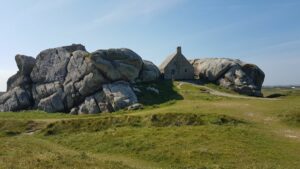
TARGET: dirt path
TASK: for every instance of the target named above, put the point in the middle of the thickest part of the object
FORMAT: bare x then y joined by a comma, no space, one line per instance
223,94
272,124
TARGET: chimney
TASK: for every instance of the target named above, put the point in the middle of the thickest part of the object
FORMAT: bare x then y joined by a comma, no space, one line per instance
179,49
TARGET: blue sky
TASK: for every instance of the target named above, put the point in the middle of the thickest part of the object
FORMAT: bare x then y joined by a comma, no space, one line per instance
264,32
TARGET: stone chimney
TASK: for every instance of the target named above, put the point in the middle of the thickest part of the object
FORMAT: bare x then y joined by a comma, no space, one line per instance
179,49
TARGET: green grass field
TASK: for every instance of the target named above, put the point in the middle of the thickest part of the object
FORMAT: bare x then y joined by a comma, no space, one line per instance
183,127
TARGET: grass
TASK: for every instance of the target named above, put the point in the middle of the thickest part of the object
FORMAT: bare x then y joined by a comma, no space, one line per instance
25,115
26,152
168,93
136,121
219,88
207,146
180,128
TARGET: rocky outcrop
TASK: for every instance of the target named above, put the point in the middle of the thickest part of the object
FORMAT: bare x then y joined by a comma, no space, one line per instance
125,64
149,72
242,77
22,77
70,79
119,94
15,100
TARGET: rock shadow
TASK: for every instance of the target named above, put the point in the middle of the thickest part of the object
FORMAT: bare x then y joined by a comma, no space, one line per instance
158,92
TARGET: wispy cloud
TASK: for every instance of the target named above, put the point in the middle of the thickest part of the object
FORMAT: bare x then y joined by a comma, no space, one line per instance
38,6
127,10
285,44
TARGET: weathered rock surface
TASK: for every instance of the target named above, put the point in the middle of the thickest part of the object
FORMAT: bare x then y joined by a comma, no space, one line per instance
126,64
149,72
119,94
70,79
242,77
15,100
25,64
22,77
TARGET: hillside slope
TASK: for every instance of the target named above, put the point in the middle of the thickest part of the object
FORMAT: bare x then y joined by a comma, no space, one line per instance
182,126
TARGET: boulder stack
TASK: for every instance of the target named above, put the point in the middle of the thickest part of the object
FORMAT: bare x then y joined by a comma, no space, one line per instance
234,74
70,79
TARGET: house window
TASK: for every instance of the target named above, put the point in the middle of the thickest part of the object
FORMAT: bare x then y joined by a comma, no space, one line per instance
185,70
173,71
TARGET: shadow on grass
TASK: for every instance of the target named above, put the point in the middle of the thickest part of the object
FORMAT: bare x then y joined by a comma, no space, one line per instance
166,92
275,95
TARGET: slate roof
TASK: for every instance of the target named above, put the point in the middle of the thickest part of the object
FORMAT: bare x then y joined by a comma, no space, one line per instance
163,65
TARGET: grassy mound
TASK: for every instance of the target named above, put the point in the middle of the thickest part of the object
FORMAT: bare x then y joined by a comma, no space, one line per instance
16,127
182,127
153,120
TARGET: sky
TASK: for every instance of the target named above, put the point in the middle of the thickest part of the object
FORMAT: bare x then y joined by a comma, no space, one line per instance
263,32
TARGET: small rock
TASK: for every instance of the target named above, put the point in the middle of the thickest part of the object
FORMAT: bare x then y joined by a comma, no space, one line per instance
136,106
74,111
89,106
137,90
152,89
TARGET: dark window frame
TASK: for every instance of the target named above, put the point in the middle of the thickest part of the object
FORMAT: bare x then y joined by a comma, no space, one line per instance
172,71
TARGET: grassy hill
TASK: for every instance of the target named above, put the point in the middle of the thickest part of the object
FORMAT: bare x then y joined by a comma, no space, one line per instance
184,126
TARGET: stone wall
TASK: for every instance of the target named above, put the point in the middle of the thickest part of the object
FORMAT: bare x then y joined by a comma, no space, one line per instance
179,69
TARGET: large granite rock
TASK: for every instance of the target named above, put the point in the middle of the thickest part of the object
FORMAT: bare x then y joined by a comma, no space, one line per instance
242,77
22,77
95,104
51,65
149,72
18,80
25,64
119,94
53,103
18,95
118,64
15,100
70,79
89,106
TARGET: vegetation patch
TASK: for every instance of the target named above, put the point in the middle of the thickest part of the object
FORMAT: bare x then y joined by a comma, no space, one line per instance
292,118
167,92
155,120
16,127
220,88
195,130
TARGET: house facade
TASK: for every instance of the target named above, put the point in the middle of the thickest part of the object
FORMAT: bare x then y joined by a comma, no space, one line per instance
177,67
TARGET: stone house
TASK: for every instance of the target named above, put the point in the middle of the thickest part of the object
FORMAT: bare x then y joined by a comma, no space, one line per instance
177,67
